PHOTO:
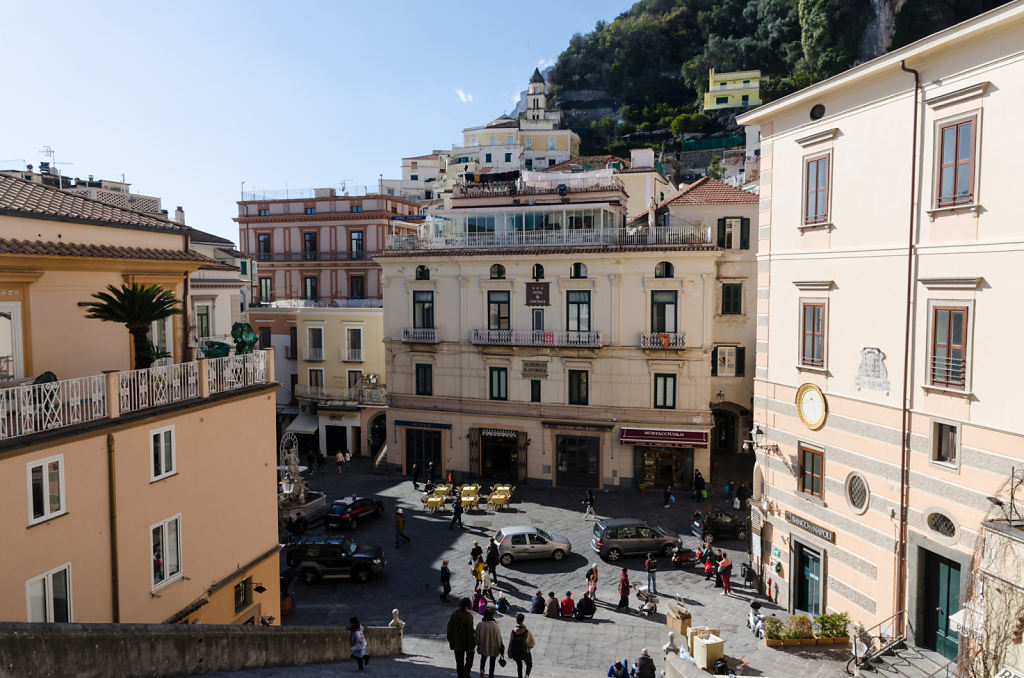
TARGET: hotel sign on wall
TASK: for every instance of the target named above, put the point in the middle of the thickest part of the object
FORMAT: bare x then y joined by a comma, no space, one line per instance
537,294
816,530
535,369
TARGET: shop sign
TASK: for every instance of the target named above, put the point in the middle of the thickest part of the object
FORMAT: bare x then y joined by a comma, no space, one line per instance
776,553
537,294
1007,672
535,369
816,530
663,437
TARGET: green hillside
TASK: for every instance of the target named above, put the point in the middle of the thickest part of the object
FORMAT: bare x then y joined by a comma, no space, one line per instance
638,80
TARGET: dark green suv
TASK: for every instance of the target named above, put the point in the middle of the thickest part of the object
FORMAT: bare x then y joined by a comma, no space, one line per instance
319,558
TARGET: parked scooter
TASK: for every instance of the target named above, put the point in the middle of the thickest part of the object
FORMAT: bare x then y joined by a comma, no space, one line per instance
683,557
755,620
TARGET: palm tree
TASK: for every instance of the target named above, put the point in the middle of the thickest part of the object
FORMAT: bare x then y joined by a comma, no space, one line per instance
136,307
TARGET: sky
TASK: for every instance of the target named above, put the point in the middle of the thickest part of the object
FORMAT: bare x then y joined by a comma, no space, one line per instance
189,99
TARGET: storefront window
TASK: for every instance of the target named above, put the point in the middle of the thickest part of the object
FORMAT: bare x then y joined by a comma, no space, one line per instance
578,459
658,466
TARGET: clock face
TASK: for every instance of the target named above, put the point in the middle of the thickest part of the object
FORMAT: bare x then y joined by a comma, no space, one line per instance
810,404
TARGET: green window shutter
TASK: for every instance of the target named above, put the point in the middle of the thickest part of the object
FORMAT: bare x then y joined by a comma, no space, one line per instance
714,362
745,234
721,232
241,266
740,360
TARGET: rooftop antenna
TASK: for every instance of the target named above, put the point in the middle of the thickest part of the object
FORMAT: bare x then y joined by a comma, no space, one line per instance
52,155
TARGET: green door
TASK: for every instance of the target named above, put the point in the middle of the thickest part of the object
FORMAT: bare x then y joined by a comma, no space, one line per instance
808,584
941,599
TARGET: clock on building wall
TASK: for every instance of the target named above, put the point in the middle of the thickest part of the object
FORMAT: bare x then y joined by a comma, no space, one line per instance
811,407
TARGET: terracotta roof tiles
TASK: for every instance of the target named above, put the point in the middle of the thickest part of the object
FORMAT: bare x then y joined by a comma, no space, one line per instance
68,249
705,191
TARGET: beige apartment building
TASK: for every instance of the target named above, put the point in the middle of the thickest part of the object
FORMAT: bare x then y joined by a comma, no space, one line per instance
534,335
642,177
885,435
113,500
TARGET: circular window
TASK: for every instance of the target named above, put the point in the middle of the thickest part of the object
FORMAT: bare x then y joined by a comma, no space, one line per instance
817,111
943,524
857,492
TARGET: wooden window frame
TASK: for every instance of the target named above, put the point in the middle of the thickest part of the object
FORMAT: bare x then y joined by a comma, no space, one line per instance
669,402
808,218
739,300
670,312
957,164
499,310
424,373
804,451
579,387
805,360
937,442
422,302
933,346
499,393
307,254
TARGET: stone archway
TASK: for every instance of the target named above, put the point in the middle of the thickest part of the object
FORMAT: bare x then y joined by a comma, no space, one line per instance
377,434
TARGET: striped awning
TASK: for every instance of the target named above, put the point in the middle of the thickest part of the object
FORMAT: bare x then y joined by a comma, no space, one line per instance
663,437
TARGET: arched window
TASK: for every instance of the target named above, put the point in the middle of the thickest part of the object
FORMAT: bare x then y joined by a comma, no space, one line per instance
578,270
664,269
422,273
538,272
497,272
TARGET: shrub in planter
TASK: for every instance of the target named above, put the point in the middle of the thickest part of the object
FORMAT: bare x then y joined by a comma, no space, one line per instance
833,626
773,628
799,628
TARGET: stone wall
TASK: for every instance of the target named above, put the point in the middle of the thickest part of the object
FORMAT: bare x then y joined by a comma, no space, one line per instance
128,650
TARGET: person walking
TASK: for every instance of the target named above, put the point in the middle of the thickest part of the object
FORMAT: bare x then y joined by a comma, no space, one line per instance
537,604
651,565
589,501
446,581
520,642
415,477
492,559
488,641
299,526
400,536
339,459
719,556
551,608
430,472
456,514
486,585
357,641
478,573
348,461
592,581
568,606
698,485
667,497
461,638
623,591
475,552
709,564
645,665
725,571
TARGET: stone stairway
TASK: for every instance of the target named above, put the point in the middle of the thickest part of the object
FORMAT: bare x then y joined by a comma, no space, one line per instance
914,662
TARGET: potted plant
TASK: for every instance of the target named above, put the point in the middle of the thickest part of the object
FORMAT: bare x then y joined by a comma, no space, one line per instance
799,631
773,628
832,629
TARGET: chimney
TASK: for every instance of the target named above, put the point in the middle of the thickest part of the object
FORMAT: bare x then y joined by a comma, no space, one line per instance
641,157
179,215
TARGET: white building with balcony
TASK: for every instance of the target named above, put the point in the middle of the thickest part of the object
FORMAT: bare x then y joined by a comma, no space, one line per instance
531,334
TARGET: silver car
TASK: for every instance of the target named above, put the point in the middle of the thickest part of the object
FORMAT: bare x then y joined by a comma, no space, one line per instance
520,542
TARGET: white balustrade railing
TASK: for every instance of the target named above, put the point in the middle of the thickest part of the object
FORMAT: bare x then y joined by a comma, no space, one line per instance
43,407
351,355
237,371
687,234
536,338
154,386
366,395
421,335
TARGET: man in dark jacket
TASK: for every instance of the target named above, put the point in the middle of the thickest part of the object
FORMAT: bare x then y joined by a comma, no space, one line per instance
446,581
462,638
492,559
537,604
645,665
585,609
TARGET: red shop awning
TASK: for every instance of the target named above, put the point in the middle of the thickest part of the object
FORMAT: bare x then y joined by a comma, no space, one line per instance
663,437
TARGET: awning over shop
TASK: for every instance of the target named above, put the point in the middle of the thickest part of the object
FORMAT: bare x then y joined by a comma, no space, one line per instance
304,423
663,437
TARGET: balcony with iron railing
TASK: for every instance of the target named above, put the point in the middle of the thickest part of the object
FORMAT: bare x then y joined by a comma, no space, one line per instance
948,372
421,335
369,395
691,234
310,255
351,355
557,339
314,354
292,301
663,341
36,408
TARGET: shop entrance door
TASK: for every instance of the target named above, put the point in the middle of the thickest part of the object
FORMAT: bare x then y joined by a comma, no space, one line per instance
808,581
941,599
655,466
422,446
499,456
579,461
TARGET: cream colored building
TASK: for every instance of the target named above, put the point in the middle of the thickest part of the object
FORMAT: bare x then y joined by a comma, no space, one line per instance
219,292
883,435
340,385
113,500
642,177
537,337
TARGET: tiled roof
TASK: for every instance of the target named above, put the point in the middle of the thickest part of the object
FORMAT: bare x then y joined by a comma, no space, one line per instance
27,199
595,162
69,249
706,191
208,238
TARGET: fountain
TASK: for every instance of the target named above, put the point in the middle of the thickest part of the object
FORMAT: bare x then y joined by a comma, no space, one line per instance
294,497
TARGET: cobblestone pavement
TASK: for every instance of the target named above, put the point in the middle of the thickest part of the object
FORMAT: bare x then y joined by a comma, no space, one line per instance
410,583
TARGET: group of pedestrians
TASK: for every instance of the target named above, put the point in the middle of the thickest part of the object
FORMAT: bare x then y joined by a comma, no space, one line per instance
485,639
343,458
717,564
416,475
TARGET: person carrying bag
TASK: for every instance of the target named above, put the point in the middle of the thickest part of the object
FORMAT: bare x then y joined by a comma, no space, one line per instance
520,642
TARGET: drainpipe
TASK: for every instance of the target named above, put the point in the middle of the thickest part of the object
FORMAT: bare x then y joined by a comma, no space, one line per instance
901,547
115,594
185,315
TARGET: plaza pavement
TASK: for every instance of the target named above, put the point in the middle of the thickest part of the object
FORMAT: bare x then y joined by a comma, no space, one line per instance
410,583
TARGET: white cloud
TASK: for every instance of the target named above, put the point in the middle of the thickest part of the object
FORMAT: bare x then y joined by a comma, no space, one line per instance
544,63
464,97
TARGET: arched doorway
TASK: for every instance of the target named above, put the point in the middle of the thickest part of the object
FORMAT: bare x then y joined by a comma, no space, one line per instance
377,435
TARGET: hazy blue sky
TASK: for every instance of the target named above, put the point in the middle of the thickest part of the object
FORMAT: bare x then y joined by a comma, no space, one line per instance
188,99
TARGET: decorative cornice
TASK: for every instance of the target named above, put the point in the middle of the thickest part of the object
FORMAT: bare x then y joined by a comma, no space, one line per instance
815,284
952,283
963,94
818,136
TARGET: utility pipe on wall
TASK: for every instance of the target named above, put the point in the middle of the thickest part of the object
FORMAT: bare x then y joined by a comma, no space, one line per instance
115,593
900,602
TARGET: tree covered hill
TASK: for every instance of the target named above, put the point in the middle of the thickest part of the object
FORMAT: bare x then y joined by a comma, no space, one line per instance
638,80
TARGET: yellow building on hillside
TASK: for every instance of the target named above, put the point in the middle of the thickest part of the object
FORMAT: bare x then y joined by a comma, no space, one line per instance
732,90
